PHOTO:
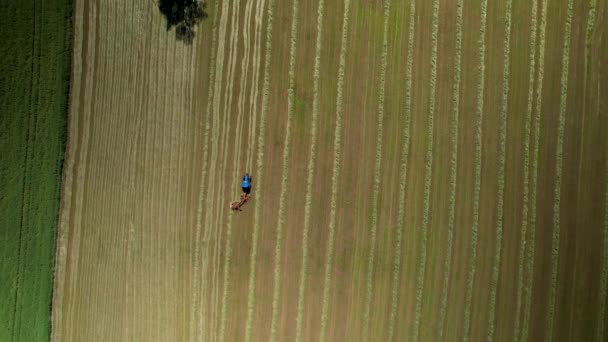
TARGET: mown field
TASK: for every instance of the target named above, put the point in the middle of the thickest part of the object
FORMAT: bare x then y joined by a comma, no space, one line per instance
34,83
423,171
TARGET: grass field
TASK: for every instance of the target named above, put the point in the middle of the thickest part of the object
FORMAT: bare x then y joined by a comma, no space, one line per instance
34,80
423,171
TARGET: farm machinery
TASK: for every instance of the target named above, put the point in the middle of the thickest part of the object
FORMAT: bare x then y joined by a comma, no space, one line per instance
236,205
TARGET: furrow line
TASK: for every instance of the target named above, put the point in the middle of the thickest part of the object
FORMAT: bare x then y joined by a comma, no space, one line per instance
525,202
286,153
428,171
478,160
558,170
260,166
335,172
211,192
377,175
236,159
501,171
311,171
253,95
533,187
453,171
405,150
203,171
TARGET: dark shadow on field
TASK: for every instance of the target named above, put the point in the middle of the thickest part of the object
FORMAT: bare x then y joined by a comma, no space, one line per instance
184,15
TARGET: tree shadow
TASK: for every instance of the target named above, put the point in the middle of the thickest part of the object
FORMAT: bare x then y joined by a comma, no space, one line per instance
184,15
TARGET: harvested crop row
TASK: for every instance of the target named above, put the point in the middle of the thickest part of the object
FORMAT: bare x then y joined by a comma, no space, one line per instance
286,147
260,167
533,187
501,170
453,171
558,170
311,171
217,88
335,172
376,189
236,158
526,165
604,277
477,187
402,183
428,171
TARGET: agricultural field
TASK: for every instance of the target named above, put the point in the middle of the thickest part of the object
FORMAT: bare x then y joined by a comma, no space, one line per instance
34,85
422,171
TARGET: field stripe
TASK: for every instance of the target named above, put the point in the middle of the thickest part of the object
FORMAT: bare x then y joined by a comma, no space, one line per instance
524,223
428,171
260,167
604,275
501,170
335,172
236,159
377,176
477,188
203,171
253,96
453,171
405,150
311,171
533,188
558,170
287,144
403,181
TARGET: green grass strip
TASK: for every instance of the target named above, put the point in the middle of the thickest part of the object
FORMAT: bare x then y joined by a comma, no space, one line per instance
604,276
260,168
405,149
558,171
286,147
501,171
428,171
533,187
377,175
453,171
526,187
477,188
311,172
335,173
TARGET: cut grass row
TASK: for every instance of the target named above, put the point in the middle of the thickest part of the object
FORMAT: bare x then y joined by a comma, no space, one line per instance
477,186
604,275
236,159
428,170
405,149
526,170
311,171
453,171
533,186
377,168
335,172
283,193
260,167
502,151
558,170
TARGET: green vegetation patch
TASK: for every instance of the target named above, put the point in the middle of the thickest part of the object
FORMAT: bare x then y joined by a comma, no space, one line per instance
34,82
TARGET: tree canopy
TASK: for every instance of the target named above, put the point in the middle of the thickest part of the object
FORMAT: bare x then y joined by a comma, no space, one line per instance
184,15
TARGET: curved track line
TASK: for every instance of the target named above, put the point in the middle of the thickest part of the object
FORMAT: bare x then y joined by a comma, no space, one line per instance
525,201
403,182
286,147
537,122
558,167
377,175
428,172
260,167
311,171
336,172
478,160
501,170
453,171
